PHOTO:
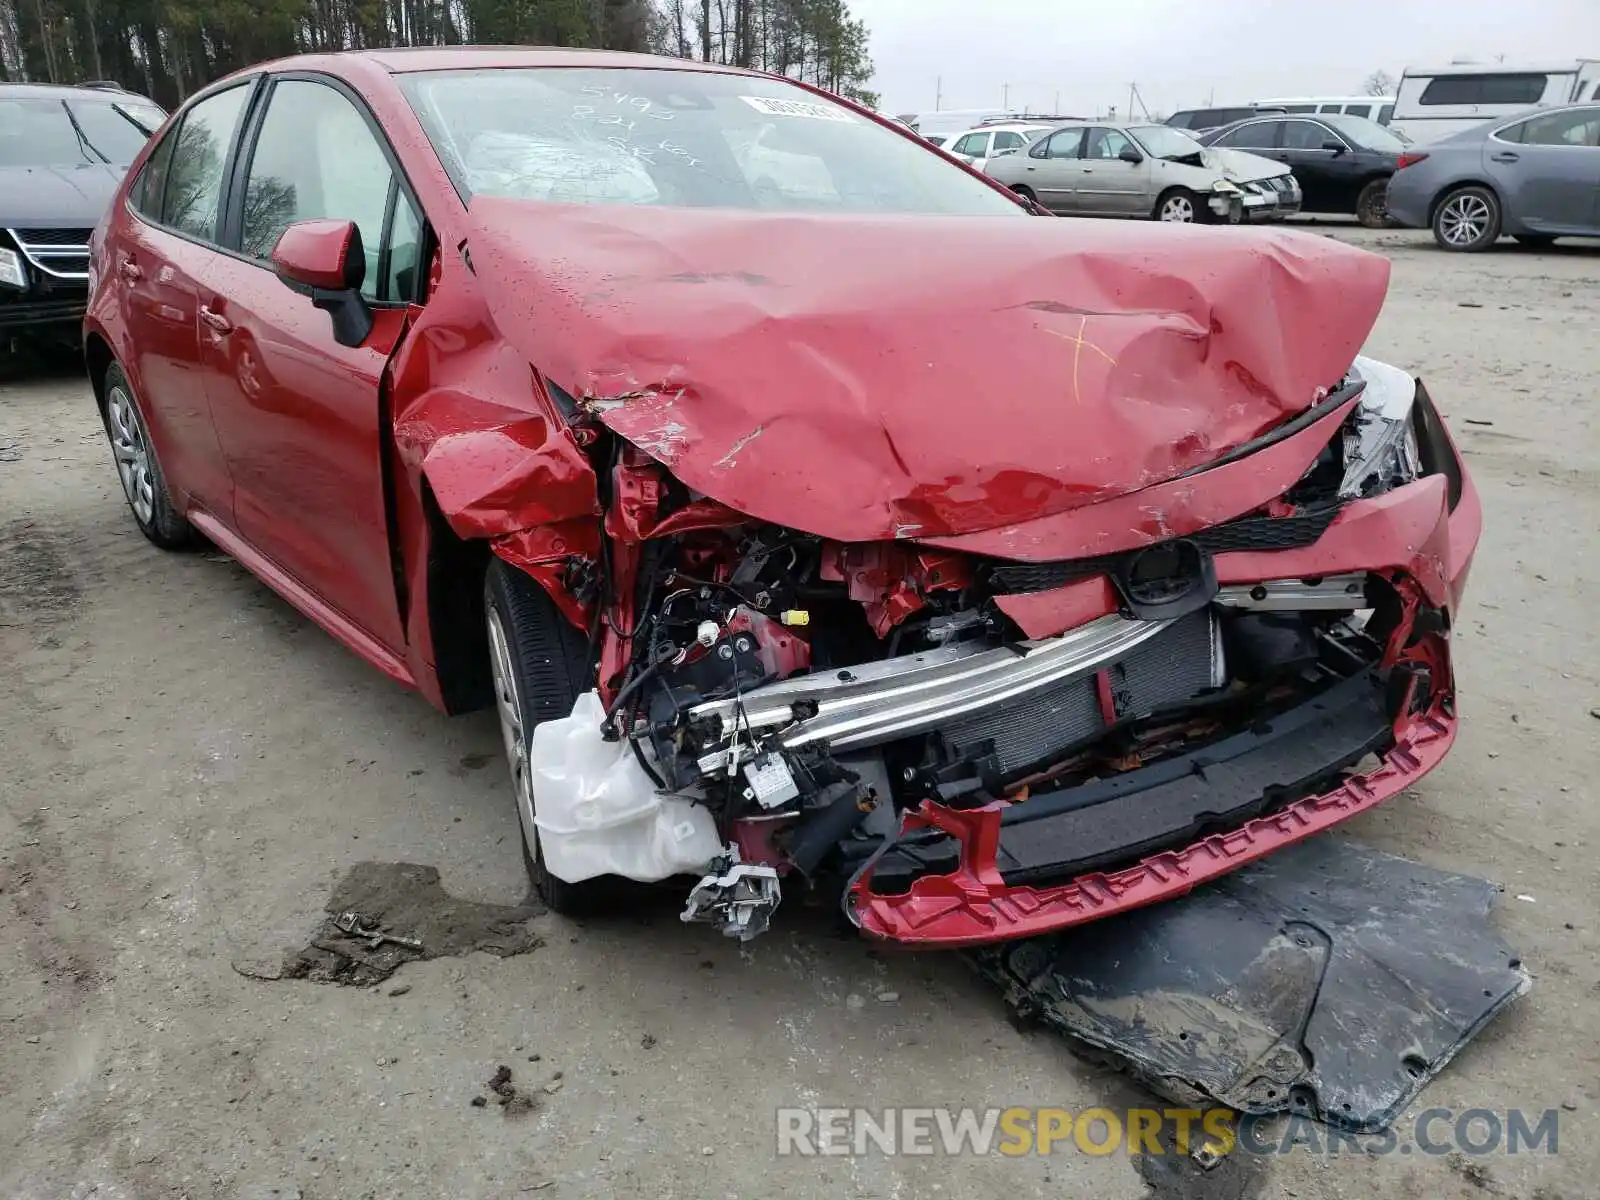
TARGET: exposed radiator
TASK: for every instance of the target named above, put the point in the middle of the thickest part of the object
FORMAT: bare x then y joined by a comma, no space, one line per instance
1177,665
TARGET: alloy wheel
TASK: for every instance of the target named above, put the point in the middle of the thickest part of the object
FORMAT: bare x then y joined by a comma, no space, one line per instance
131,448
509,707
1177,208
1465,219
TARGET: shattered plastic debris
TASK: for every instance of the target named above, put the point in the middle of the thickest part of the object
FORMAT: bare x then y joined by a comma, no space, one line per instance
739,898
1331,980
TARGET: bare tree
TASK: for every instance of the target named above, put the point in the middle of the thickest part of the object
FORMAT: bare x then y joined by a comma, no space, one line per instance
1379,83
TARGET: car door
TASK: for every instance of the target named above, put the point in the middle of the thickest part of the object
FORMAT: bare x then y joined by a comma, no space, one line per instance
1326,175
1004,140
1052,168
299,414
1109,186
1548,169
159,261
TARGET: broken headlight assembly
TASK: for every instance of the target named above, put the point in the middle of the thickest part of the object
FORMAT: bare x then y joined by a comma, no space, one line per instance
1380,440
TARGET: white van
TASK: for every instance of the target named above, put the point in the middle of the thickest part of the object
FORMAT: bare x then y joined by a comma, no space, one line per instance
1433,102
1373,108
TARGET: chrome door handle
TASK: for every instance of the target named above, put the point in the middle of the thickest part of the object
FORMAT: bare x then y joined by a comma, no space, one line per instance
215,320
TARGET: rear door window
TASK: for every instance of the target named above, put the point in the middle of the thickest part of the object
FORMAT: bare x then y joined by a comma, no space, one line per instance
1579,127
151,185
192,193
1064,143
1007,140
1258,135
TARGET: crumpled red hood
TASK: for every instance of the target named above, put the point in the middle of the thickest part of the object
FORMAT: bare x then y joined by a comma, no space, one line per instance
869,377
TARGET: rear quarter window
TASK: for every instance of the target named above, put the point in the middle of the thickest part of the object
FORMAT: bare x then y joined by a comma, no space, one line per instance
1484,89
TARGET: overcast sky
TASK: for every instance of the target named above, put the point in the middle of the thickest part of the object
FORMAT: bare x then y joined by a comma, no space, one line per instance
1180,51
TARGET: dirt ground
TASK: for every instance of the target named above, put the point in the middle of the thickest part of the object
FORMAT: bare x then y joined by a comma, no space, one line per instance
188,769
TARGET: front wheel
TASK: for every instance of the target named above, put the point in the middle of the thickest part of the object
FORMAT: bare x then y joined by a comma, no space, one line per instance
1372,207
1179,205
1467,220
539,664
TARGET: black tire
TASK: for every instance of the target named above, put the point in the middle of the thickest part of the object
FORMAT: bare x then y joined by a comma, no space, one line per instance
1026,193
143,484
1467,219
1372,209
1198,213
549,664
1534,241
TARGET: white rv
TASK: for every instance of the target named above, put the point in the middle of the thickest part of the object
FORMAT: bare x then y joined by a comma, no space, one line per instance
1433,102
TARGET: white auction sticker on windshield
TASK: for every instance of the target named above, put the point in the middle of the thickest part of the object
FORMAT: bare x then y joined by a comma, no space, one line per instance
797,108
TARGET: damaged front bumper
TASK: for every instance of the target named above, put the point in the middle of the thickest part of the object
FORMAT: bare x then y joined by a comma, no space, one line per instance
978,860
953,872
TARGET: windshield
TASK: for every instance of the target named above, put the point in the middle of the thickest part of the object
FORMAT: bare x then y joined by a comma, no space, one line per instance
68,133
682,138
1164,142
1365,133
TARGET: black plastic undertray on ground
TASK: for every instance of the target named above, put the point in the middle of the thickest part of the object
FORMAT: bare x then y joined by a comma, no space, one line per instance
1330,980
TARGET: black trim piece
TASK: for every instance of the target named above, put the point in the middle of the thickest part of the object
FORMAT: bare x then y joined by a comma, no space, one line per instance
1433,445
1344,394
1096,825
239,167
1362,694
1304,528
386,240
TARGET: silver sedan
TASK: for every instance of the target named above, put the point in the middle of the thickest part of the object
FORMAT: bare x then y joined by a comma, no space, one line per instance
1152,171
1535,176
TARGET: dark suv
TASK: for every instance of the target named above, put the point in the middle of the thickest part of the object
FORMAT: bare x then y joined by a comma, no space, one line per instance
63,150
1196,120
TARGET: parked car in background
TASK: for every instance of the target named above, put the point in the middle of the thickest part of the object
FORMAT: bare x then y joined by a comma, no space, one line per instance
1435,102
63,150
1201,119
1343,163
562,461
1535,177
1103,170
976,147
1373,108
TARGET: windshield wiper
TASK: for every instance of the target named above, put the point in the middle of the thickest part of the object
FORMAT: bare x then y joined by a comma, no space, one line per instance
89,148
133,120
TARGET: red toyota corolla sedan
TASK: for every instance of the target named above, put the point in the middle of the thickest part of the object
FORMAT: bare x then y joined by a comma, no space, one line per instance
818,516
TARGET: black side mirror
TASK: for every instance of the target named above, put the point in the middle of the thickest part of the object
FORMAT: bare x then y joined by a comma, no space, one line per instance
1129,155
1336,147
